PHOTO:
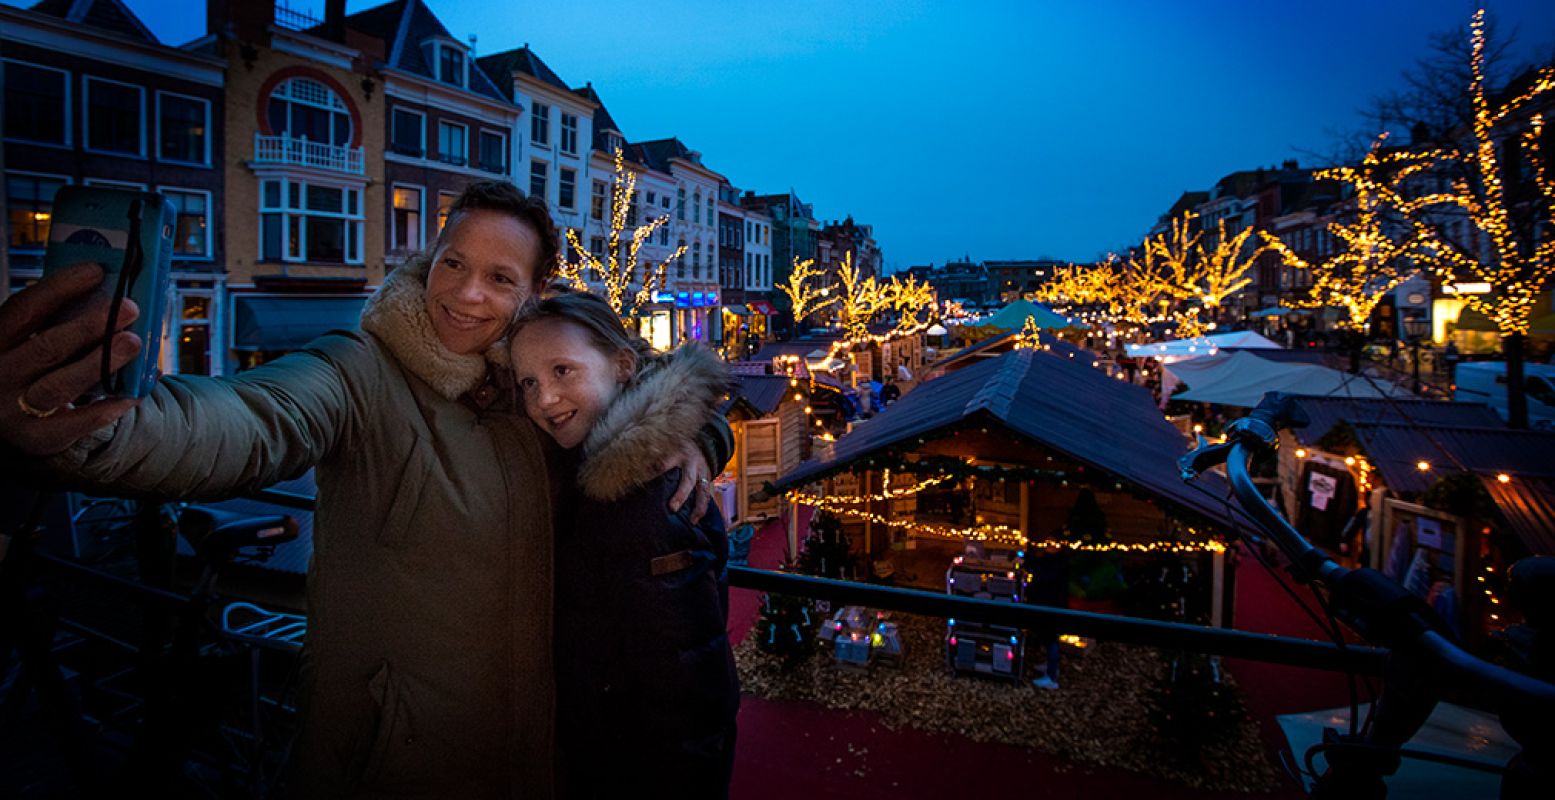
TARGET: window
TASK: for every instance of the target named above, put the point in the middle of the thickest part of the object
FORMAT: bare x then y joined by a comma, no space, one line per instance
750,269
406,231
445,205
453,145
597,247
450,65
566,187
192,230
113,117
194,333
696,206
569,134
696,261
36,103
183,129
494,152
597,200
680,263
540,124
680,207
664,235
299,221
653,199
631,209
29,207
712,212
407,132
537,179
302,108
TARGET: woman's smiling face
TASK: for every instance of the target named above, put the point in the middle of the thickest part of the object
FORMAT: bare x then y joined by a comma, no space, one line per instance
481,273
566,378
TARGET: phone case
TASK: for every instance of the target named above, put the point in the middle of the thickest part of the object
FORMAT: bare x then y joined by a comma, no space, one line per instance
96,224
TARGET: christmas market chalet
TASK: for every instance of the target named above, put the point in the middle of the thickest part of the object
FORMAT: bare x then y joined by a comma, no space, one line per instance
997,454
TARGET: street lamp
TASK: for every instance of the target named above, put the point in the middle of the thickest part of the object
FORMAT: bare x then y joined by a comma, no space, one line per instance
1415,331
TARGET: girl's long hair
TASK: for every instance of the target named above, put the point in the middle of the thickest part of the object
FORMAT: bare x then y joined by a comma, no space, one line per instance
598,319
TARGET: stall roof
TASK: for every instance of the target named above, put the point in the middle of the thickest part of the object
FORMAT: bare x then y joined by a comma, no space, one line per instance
1242,379
1396,449
764,393
797,347
1528,507
994,345
1051,400
1326,412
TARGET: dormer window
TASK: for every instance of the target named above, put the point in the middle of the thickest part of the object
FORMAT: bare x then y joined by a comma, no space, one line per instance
450,65
447,60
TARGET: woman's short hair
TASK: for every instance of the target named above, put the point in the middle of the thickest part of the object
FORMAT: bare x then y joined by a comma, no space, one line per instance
505,198
596,317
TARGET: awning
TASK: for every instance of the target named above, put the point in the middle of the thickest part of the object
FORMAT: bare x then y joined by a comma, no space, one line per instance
289,323
761,307
737,311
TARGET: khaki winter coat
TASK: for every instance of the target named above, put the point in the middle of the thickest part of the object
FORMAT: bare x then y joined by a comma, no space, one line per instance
427,668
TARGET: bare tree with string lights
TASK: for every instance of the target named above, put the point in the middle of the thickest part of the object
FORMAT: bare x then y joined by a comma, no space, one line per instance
622,266
1493,224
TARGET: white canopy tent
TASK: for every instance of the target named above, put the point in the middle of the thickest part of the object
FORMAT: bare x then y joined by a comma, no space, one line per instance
1168,352
1242,378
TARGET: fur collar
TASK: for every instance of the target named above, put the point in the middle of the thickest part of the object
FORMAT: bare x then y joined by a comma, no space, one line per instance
397,315
656,417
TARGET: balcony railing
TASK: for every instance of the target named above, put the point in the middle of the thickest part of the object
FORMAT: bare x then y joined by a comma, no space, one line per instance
1285,650
303,153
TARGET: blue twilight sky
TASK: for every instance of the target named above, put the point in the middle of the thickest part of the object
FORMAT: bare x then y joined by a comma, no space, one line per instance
989,129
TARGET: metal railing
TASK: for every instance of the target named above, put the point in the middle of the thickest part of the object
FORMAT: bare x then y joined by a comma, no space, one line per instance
1285,650
304,153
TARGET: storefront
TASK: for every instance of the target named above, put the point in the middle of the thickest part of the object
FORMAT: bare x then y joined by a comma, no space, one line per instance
268,326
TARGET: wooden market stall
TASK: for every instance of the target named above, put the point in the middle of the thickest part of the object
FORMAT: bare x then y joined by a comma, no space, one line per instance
998,454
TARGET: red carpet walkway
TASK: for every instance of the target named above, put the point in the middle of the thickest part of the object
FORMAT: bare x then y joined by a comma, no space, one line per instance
799,750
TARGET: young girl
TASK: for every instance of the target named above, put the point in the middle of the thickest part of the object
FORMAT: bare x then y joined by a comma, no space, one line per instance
645,681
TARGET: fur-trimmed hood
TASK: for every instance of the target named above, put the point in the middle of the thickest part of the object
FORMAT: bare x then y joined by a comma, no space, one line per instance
654,418
397,315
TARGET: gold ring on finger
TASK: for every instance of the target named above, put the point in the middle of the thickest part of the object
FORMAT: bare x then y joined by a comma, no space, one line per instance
35,413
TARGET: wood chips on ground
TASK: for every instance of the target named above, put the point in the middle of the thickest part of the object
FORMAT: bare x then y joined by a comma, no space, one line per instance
1097,717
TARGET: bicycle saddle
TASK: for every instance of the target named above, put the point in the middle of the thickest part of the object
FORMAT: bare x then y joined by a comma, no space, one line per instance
216,534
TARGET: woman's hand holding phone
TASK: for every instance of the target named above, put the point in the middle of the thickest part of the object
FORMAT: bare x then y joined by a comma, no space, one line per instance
50,356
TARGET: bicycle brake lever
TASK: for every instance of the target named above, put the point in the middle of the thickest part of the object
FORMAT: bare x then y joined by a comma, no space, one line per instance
1203,456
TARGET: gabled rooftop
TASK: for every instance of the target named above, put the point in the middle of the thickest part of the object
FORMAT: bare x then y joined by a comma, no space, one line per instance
402,26
523,61
108,15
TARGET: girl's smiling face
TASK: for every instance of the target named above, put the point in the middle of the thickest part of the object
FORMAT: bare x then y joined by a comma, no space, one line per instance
566,378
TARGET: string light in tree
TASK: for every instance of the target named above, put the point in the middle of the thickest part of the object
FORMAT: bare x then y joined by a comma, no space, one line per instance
1368,265
805,295
1519,263
620,270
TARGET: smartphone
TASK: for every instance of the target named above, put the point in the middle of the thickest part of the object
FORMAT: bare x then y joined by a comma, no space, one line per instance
130,234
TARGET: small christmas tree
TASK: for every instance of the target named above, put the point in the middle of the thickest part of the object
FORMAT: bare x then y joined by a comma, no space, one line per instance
785,628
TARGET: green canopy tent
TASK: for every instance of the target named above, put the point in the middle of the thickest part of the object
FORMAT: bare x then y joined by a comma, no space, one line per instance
1013,317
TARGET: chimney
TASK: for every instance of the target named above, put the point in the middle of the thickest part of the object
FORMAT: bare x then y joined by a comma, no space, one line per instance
335,20
247,21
